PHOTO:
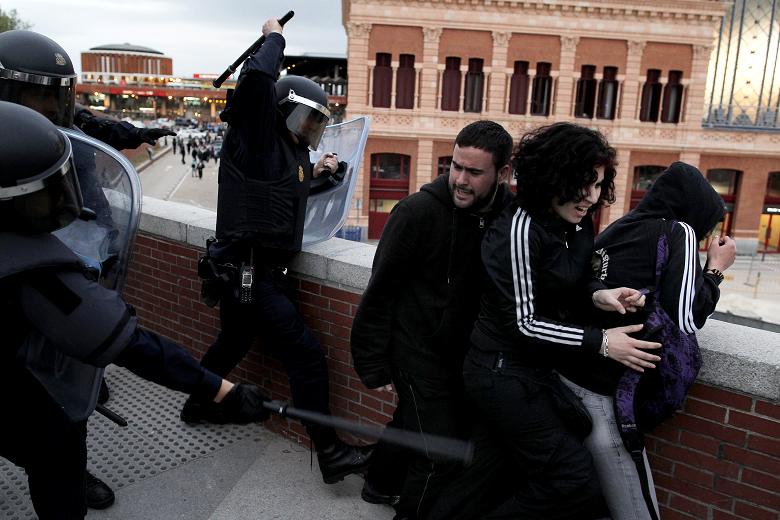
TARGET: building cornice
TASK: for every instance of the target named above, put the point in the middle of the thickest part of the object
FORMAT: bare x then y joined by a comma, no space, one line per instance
664,9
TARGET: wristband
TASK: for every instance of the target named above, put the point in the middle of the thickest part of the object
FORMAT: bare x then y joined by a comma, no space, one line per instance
604,351
717,274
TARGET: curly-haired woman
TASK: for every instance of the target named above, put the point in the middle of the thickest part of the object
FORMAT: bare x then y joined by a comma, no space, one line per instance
528,463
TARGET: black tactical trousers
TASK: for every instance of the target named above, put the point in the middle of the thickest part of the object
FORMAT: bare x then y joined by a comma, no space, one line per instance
273,318
526,463
38,436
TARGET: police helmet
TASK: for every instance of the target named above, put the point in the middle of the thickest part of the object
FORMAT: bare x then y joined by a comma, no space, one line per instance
39,189
36,72
304,106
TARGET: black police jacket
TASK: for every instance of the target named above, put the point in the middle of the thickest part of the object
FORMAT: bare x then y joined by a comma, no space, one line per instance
263,177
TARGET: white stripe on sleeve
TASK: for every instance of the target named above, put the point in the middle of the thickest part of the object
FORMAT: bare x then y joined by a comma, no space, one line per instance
687,283
527,323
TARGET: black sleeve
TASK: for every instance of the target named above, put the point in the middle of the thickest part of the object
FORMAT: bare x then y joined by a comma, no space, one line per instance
686,295
118,134
252,109
162,361
372,328
526,263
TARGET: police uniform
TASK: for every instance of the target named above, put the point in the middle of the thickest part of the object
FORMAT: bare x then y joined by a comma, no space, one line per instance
60,323
264,181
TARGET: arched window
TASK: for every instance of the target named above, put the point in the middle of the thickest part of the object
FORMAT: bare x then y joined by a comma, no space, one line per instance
475,80
383,80
542,92
518,88
651,96
450,92
673,93
404,82
585,100
608,90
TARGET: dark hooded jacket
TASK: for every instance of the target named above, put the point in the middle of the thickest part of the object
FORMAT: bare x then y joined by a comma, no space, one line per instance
626,254
423,297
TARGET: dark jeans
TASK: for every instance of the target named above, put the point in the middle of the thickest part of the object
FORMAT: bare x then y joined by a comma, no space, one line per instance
39,437
426,405
520,439
274,318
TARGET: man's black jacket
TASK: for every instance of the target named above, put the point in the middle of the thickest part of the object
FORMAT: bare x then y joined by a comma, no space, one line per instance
423,297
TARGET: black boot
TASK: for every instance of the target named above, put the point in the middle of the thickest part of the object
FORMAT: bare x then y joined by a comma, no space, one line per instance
99,495
342,459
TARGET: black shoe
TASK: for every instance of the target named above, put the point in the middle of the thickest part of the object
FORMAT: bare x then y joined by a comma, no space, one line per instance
342,459
372,495
103,395
99,495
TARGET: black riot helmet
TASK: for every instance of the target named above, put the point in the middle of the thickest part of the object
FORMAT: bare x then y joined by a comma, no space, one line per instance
37,73
39,189
304,107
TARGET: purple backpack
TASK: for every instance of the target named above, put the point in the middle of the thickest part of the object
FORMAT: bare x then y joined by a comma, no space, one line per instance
645,400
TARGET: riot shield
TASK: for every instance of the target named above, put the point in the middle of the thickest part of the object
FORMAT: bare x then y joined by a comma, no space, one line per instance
327,209
112,190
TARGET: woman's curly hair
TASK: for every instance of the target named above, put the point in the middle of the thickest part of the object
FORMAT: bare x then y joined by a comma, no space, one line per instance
559,160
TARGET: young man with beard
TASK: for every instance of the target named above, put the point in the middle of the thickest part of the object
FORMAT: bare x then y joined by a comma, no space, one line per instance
412,327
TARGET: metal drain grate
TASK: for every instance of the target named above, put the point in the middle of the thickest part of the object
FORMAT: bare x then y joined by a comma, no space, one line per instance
155,441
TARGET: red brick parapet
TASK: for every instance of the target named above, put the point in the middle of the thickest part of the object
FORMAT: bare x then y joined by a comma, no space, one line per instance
719,458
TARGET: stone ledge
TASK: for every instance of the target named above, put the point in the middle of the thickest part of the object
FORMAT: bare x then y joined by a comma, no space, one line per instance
736,357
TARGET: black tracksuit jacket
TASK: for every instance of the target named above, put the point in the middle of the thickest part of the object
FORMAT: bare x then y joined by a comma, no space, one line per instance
626,255
421,302
539,266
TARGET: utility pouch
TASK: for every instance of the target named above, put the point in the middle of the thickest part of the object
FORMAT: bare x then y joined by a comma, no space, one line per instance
213,278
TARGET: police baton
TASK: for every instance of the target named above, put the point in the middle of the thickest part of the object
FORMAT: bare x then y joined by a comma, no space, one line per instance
251,50
454,449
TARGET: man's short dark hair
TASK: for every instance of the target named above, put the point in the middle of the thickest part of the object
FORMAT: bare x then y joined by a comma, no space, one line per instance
559,160
488,136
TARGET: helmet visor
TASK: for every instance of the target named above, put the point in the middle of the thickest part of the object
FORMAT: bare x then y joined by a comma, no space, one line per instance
56,101
308,124
44,203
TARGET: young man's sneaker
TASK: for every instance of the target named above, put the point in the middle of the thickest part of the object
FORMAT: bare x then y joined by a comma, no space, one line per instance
341,459
99,495
373,495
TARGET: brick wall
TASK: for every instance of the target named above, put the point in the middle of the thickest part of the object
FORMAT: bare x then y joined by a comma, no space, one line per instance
163,286
719,459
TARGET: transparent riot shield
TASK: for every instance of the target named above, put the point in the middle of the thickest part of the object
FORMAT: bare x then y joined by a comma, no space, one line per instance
112,190
331,197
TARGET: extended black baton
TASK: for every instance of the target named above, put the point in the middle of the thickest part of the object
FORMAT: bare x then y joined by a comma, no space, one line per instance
110,414
455,449
251,50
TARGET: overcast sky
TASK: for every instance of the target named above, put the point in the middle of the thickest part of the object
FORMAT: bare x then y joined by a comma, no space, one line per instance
202,36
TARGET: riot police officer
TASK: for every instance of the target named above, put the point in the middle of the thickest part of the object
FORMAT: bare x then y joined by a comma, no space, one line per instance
35,71
47,297
264,179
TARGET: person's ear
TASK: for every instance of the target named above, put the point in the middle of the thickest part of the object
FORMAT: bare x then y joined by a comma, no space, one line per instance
503,173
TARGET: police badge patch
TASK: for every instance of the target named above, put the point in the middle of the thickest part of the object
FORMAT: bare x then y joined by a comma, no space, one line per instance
59,59
300,173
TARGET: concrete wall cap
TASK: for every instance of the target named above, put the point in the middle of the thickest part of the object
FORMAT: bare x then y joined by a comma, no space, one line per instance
736,357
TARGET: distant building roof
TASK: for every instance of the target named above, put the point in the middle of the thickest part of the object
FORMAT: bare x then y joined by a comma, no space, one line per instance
125,47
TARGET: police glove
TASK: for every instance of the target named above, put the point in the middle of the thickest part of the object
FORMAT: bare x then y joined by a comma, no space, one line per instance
243,404
151,135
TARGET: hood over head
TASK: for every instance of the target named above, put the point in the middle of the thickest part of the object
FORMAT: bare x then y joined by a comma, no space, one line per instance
682,193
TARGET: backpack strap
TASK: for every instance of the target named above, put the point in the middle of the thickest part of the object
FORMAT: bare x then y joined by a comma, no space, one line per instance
641,469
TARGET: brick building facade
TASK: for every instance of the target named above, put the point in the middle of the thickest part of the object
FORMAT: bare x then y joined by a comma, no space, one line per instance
636,71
